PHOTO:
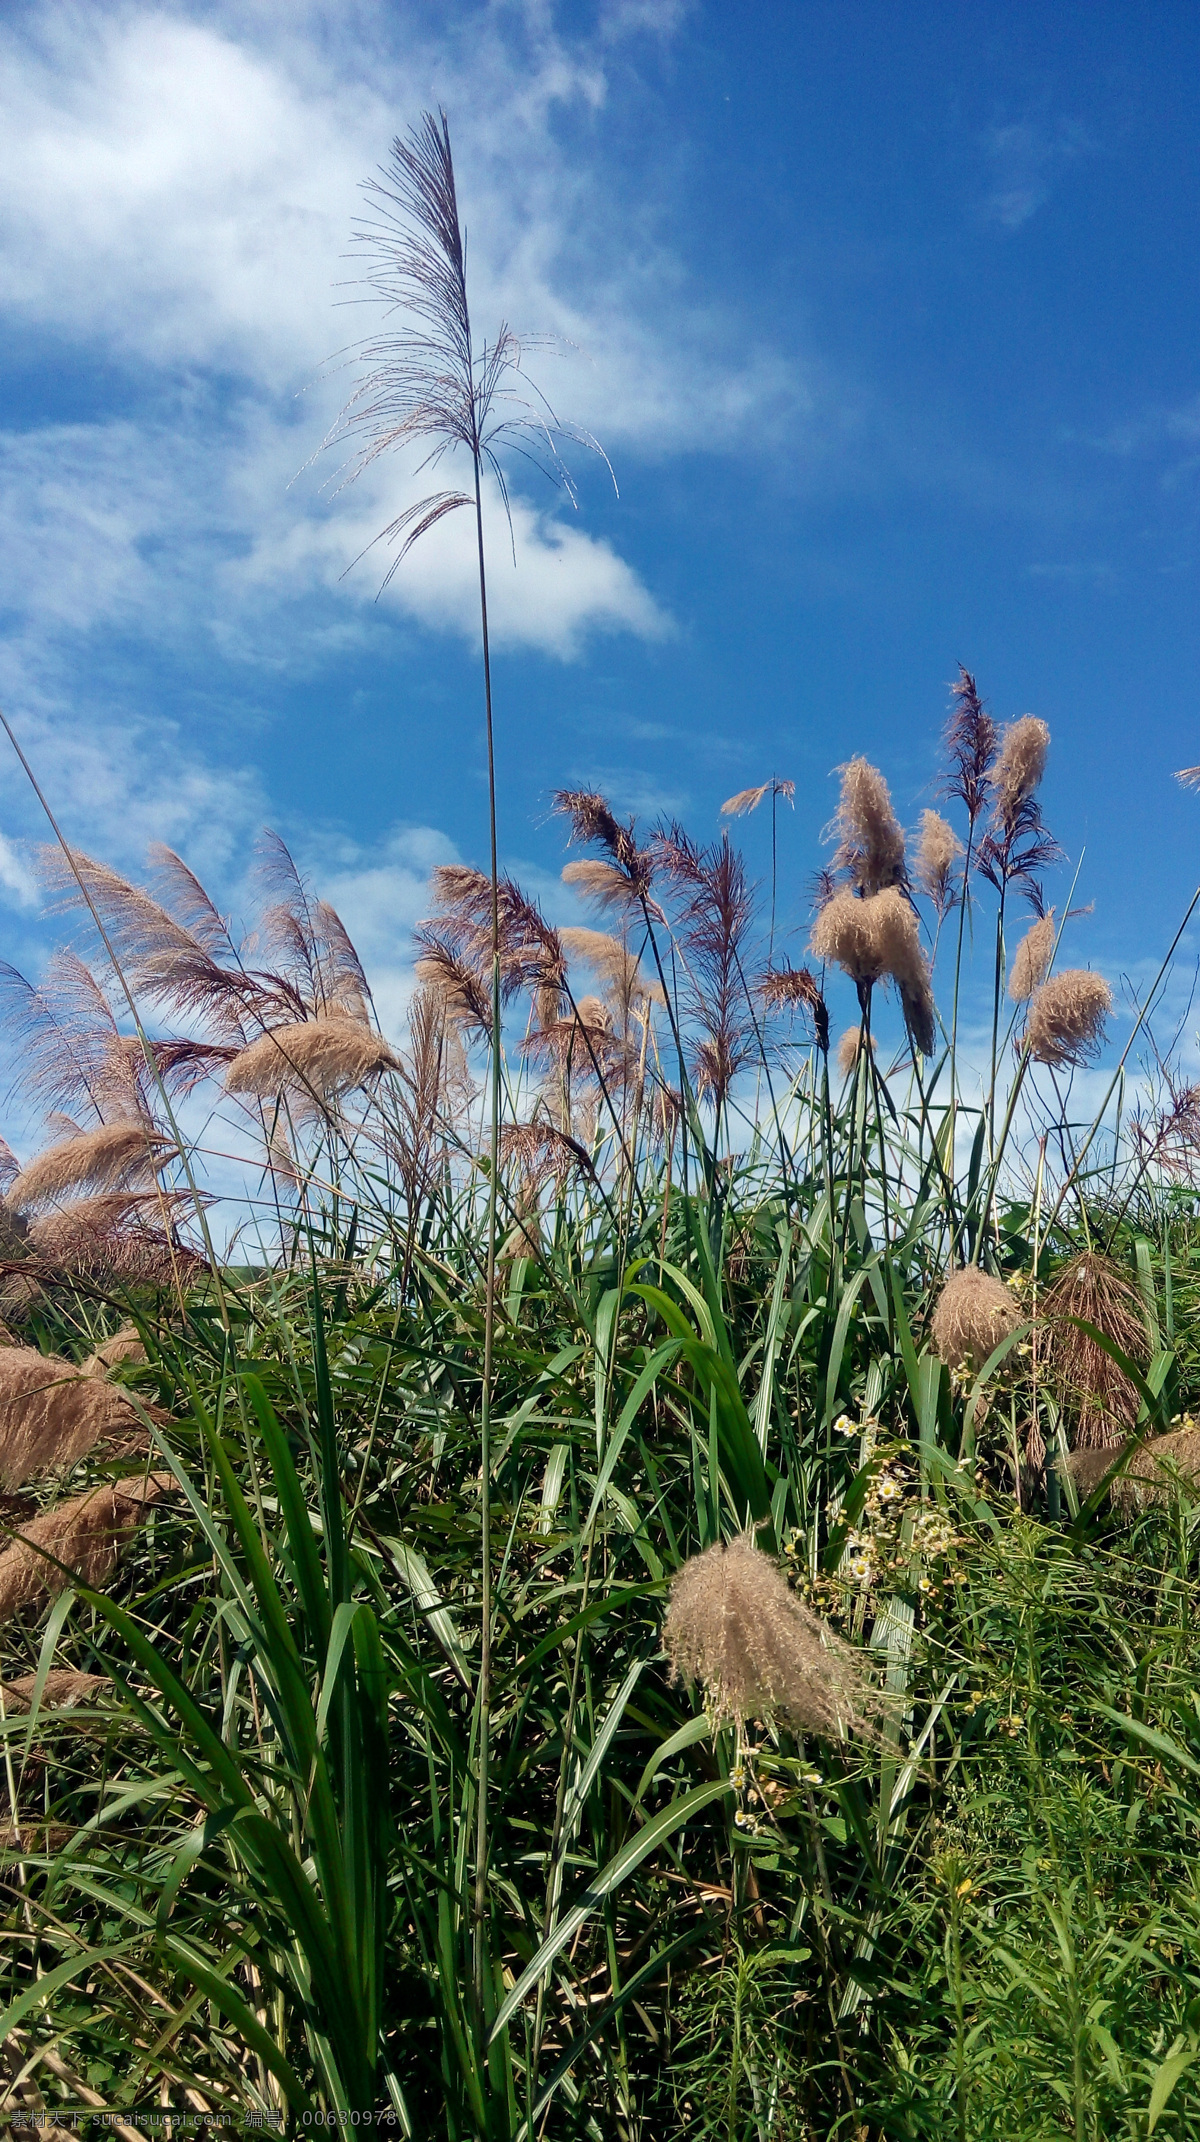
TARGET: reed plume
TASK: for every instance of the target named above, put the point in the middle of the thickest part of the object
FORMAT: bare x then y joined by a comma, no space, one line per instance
845,935
1152,1472
938,850
1099,1397
971,1316
748,799
322,1057
793,989
712,920
51,1415
111,1353
970,747
876,936
621,882
115,1156
461,991
115,1235
849,1049
734,1625
86,1535
1066,1018
1031,960
870,842
1019,766
63,1689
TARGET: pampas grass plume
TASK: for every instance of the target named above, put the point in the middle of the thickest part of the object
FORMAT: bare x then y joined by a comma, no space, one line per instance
1031,960
86,1534
937,852
123,1346
733,1624
1019,766
849,1049
973,1313
50,1415
870,840
63,1688
1066,1018
324,1056
110,1158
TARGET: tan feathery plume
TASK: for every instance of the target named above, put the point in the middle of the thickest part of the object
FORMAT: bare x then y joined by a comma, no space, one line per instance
877,936
733,1624
1020,764
973,1313
321,1056
50,1415
1151,1473
614,963
870,840
796,988
63,1688
605,883
1031,960
848,1050
87,1534
1066,1018
746,799
116,1234
116,1156
903,958
843,934
938,849
463,996
123,1346
1097,1391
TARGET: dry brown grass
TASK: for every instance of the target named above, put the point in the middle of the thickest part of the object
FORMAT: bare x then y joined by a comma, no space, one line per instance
85,1535
733,1624
50,1415
973,1313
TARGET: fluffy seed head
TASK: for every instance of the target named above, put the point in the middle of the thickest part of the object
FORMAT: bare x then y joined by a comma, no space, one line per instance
323,1056
849,1049
123,1346
733,1624
1151,1473
116,1156
844,935
50,1415
937,852
87,1534
63,1688
973,1313
1019,766
1096,1391
1066,1018
870,841
1031,960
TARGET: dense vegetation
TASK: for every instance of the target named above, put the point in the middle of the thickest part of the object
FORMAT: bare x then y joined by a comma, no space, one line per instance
245,1767
350,1771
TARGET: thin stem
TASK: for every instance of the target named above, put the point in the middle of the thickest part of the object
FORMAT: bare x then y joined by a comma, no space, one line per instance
489,1315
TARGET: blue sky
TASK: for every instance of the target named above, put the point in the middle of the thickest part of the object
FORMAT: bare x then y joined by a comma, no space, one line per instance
887,318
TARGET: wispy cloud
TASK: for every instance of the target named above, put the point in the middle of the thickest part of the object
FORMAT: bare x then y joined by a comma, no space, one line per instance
1025,159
